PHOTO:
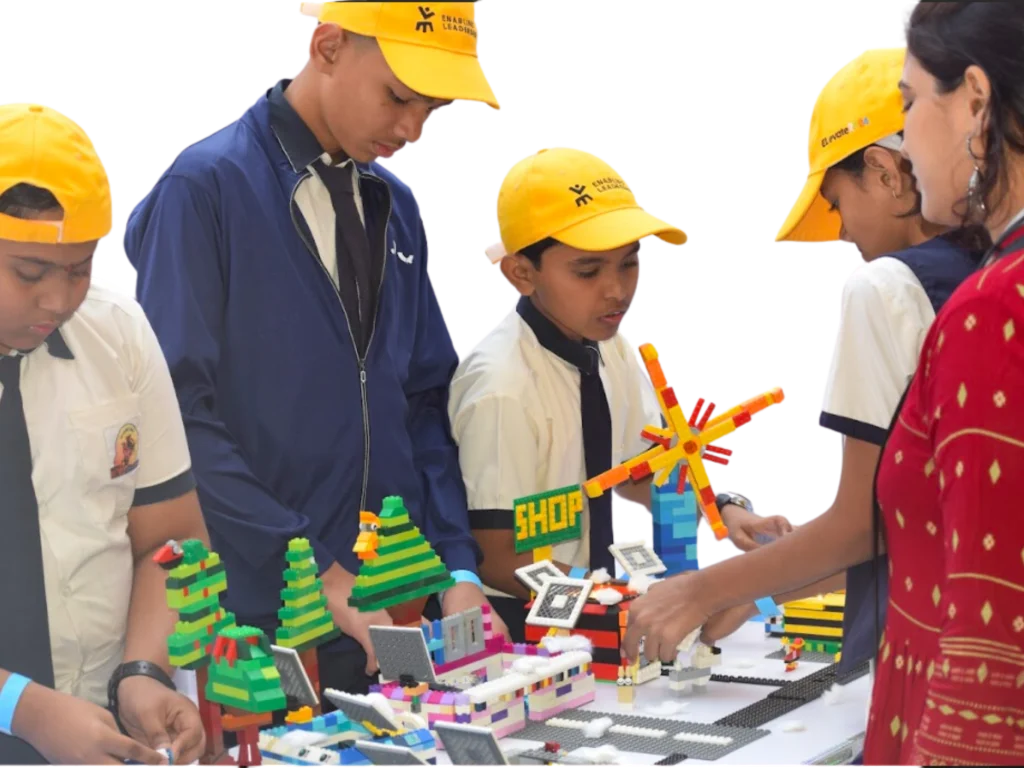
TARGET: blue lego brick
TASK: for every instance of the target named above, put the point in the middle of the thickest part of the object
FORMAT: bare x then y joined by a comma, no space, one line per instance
684,530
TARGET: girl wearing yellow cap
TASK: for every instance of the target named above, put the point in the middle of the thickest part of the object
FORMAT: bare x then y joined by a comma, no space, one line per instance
860,190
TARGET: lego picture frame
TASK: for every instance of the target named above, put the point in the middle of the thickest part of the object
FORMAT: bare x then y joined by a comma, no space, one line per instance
560,602
637,558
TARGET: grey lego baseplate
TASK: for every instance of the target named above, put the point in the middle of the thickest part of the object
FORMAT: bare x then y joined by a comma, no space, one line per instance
543,757
294,679
388,754
791,695
359,710
815,657
573,738
470,744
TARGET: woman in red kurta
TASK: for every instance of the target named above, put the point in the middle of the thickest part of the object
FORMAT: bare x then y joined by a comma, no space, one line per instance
950,670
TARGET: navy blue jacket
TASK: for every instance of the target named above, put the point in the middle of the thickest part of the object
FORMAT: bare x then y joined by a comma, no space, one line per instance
940,266
291,433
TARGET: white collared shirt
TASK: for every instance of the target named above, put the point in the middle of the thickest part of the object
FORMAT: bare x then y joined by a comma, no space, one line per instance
316,206
516,417
106,434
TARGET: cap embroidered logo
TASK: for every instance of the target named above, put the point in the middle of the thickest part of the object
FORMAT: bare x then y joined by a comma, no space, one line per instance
581,197
426,25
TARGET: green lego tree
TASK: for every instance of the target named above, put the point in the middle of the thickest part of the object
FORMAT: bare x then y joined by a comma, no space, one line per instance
195,581
306,622
243,674
402,568
244,680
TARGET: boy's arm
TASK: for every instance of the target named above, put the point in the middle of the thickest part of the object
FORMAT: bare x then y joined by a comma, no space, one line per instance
446,521
498,454
174,242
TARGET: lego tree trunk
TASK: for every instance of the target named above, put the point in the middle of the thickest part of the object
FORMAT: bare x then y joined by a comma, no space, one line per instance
209,713
311,663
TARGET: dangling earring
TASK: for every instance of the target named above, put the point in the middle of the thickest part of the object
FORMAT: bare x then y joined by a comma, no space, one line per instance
894,195
974,184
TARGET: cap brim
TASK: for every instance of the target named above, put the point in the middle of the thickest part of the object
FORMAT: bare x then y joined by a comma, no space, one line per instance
614,229
811,219
438,74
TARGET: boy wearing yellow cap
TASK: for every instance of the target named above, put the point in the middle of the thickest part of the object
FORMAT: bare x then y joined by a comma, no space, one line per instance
859,190
555,394
94,474
285,274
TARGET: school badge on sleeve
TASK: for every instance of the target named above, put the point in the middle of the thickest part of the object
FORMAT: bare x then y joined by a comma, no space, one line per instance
124,449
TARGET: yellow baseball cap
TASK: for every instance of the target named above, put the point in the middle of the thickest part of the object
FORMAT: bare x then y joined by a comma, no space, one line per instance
43,148
431,48
575,198
860,106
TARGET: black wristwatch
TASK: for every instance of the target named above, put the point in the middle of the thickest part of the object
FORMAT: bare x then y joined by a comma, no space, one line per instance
734,498
132,669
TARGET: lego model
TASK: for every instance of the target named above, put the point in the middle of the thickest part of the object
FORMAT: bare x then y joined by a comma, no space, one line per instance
195,581
603,616
674,515
488,684
399,567
244,680
794,648
696,672
306,623
818,621
688,442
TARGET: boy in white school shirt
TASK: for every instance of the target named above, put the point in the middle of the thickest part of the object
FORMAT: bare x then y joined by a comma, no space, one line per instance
95,475
554,395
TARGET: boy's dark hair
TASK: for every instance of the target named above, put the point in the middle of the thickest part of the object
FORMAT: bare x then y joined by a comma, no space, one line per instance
947,38
535,251
27,201
973,237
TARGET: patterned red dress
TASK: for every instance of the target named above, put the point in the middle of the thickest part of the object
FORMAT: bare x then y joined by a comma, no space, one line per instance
949,688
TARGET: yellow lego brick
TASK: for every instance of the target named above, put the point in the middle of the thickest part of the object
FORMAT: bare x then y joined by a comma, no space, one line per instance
797,629
790,613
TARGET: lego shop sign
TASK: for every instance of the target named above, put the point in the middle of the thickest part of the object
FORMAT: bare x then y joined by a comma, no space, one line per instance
548,518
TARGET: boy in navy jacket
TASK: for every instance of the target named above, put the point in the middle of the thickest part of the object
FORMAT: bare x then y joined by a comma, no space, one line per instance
285,275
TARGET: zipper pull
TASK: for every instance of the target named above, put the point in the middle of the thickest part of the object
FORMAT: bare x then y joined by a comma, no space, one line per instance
362,375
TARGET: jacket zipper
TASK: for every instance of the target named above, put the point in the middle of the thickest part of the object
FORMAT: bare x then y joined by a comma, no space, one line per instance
360,358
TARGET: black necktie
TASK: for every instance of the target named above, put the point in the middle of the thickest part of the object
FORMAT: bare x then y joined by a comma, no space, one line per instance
25,647
352,248
597,453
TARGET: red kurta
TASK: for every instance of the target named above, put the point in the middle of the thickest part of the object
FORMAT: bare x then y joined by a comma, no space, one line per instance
950,677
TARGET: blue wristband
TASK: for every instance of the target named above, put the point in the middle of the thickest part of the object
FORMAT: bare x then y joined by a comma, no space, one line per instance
577,573
10,695
767,607
463,576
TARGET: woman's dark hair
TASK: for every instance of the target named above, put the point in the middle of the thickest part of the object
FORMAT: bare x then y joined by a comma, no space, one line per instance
948,37
25,201
535,251
971,237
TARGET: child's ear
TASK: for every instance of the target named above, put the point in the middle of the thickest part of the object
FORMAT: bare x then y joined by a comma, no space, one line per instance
518,270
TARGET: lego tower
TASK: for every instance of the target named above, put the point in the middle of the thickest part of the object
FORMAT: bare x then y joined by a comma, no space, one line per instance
675,525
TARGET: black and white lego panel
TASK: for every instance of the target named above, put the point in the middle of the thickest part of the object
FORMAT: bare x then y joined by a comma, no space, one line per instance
294,679
559,602
470,744
535,574
637,558
403,651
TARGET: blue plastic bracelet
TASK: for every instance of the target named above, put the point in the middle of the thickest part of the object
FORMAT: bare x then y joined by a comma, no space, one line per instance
767,607
10,695
577,573
463,576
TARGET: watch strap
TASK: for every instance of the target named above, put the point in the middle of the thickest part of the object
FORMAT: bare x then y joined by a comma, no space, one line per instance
134,669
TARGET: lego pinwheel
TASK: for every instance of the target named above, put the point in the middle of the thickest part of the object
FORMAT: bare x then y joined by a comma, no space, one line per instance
682,442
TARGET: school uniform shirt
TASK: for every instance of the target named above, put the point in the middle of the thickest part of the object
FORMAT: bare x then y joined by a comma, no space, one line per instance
516,417
105,435
888,306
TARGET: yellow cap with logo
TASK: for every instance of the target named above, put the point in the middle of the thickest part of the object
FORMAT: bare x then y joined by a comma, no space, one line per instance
574,198
860,106
43,148
431,47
